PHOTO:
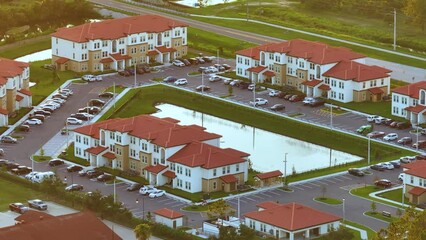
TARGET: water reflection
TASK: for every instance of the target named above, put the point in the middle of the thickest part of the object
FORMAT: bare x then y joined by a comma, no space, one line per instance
37,56
267,149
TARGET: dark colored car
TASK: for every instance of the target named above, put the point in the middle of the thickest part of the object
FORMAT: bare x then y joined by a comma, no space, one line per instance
396,164
356,172
74,168
22,170
24,128
145,67
96,103
187,63
106,95
296,98
90,110
316,103
74,187
244,85
376,134
419,144
377,167
421,157
56,162
11,165
18,207
42,112
169,79
383,183
131,71
226,66
47,109
288,96
393,124
281,95
388,122
94,173
105,177
39,117
193,61
278,107
207,59
124,73
405,140
403,125
139,70
133,187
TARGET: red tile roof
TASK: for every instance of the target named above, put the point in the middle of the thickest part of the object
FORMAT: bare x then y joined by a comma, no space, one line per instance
109,155
207,156
106,60
324,87
32,215
4,111
417,168
415,164
96,150
312,83
60,227
267,205
164,49
117,28
62,60
25,92
93,130
169,174
119,56
376,90
271,174
168,213
155,168
229,178
416,109
269,73
257,69
315,52
292,216
351,70
19,98
10,68
411,90
152,53
418,191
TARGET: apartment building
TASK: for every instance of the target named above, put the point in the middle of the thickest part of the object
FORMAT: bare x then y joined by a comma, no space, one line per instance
409,102
181,156
414,182
317,69
14,88
118,43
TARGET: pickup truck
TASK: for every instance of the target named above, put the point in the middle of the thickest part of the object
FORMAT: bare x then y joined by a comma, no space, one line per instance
37,204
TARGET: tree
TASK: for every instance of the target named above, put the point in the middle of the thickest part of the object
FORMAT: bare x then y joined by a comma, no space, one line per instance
142,231
416,9
373,207
218,209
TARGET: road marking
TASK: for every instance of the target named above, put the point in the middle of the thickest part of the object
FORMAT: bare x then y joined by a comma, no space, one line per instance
316,185
265,195
132,209
338,179
255,195
168,203
274,193
348,178
327,180
164,200
249,199
297,187
178,205
304,185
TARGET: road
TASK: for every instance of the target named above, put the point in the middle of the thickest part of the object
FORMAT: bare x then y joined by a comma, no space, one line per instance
399,71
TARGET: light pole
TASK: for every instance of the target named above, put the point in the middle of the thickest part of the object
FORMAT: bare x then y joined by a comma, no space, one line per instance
202,82
343,210
254,91
135,73
218,59
368,151
113,87
114,190
143,207
72,179
238,208
403,191
285,168
66,132
417,140
331,116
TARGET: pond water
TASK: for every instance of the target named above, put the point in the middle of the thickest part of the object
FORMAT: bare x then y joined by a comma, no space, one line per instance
194,3
267,149
37,56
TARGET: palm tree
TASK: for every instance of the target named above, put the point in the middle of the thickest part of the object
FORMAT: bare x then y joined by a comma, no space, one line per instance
142,231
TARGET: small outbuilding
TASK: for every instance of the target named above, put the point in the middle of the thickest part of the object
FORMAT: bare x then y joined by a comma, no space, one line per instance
268,178
168,217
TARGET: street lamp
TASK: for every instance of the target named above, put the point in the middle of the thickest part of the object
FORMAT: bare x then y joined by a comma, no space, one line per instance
143,207
135,72
202,82
331,116
369,148
285,168
343,210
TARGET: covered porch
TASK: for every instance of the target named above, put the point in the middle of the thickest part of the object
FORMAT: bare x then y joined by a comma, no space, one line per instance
268,178
256,74
416,114
120,61
417,195
154,174
310,88
376,94
229,183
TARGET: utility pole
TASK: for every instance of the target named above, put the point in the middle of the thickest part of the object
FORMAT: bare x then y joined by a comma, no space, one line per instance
135,73
113,87
285,168
331,116
238,208
247,15
202,82
394,29
369,148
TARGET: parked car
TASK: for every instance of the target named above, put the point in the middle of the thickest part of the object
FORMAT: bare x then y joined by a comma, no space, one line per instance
94,173
74,187
106,95
124,73
37,204
372,118
288,96
178,63
388,165
405,140
278,107
66,91
60,96
11,165
388,121
259,102
187,63
421,157
145,67
419,144
401,177
379,120
2,154
105,177
317,102
215,79
21,170
169,79
403,125
74,121
356,172
157,193
235,83
208,59
274,93
18,207
390,137
133,187
181,81
377,167
47,108
202,88
83,116
407,159
90,110
243,85
33,121
376,134
251,86
74,168
40,117
227,81
393,124
193,61
226,66
200,60
308,100
147,189
56,162
296,98
30,175
87,77
60,101
96,103
84,171
396,164
42,112
383,183
8,139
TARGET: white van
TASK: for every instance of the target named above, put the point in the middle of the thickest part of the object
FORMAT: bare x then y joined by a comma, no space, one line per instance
40,177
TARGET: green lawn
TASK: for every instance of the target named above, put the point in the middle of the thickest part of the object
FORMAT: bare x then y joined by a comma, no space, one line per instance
394,195
370,232
38,158
13,192
194,208
71,157
379,215
3,129
123,102
20,113
365,191
327,200
118,89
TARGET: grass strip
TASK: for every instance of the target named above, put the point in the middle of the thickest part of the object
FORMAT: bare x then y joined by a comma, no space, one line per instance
327,200
370,232
365,191
379,216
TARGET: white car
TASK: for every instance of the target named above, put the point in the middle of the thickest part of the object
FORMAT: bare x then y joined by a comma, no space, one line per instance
379,120
274,93
215,79
178,63
372,118
157,193
30,175
50,105
74,121
308,100
147,189
181,81
53,103
65,91
390,137
401,177
33,121
259,102
98,78
388,165
59,100
87,77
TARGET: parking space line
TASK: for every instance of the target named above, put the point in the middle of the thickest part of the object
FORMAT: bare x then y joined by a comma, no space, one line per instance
338,179
253,200
316,185
178,205
297,188
304,185
255,195
164,200
169,203
327,180
265,195
274,193
348,178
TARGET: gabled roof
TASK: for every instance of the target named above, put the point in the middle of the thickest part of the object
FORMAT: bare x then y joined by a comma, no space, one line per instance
267,205
411,90
109,155
375,90
351,70
324,87
19,98
106,60
269,73
229,178
312,83
417,168
315,52
164,49
257,69
81,225
4,111
416,109
155,168
117,28
119,56
197,154
25,92
418,191
32,215
10,68
169,174
62,60
96,150
93,130
267,175
292,216
168,213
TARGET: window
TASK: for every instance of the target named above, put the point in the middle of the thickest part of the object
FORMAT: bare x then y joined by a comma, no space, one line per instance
228,169
150,46
97,45
112,135
239,60
118,151
411,179
142,49
187,172
84,56
132,165
150,36
104,54
237,167
133,50
118,138
156,149
382,82
121,51
144,146
252,224
223,170
363,84
144,159
262,227
156,161
84,46
327,80
312,66
86,141
104,43
214,185
341,85
133,40
121,41
78,138
214,172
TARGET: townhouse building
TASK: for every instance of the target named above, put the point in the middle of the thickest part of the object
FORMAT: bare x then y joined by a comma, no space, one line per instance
118,43
165,153
290,221
414,182
316,69
14,88
409,102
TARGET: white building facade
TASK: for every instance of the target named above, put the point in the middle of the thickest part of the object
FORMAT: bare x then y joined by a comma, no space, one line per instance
409,102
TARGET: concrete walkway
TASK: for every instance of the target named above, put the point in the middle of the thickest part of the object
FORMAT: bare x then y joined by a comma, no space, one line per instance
362,232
